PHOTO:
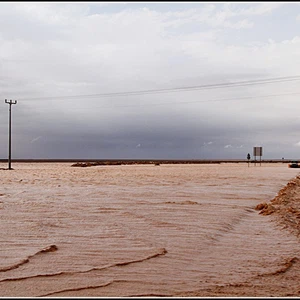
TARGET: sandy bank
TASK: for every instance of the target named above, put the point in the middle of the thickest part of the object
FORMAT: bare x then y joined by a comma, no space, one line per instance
285,206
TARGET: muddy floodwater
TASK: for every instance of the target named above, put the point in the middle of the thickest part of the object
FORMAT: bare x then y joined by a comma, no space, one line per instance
141,230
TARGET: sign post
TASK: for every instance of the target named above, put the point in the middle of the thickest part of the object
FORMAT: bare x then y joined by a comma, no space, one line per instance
248,157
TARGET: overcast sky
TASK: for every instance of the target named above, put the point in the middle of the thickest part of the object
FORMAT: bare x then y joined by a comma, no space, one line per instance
49,51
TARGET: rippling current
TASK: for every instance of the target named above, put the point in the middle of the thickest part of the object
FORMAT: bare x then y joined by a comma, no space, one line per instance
136,230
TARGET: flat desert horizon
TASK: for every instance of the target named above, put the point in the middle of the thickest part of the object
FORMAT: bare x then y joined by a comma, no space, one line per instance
175,230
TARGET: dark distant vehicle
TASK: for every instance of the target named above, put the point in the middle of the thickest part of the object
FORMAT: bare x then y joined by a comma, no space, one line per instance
294,164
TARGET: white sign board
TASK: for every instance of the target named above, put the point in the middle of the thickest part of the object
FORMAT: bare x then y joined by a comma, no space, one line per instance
257,151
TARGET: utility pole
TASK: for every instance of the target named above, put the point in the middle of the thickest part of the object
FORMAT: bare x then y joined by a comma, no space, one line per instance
10,102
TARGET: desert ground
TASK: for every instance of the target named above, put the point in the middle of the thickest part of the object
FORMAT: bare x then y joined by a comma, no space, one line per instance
208,230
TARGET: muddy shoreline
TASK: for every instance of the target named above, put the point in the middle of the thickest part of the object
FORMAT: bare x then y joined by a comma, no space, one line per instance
285,207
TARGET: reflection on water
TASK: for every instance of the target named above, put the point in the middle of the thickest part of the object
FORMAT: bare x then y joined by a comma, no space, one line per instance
136,230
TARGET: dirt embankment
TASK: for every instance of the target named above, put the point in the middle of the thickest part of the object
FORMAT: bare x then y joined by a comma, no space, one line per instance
285,206
140,162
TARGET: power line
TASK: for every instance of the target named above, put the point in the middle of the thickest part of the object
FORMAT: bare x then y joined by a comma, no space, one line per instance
202,101
175,89
188,102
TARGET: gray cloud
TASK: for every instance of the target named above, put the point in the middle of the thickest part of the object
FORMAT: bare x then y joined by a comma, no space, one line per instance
62,49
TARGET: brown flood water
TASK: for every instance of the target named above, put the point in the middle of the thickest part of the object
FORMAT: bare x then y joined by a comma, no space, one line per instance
137,230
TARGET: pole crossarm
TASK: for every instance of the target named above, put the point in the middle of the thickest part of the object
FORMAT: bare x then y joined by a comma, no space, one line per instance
11,101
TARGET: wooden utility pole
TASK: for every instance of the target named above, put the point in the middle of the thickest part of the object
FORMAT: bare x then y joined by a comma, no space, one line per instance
10,102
